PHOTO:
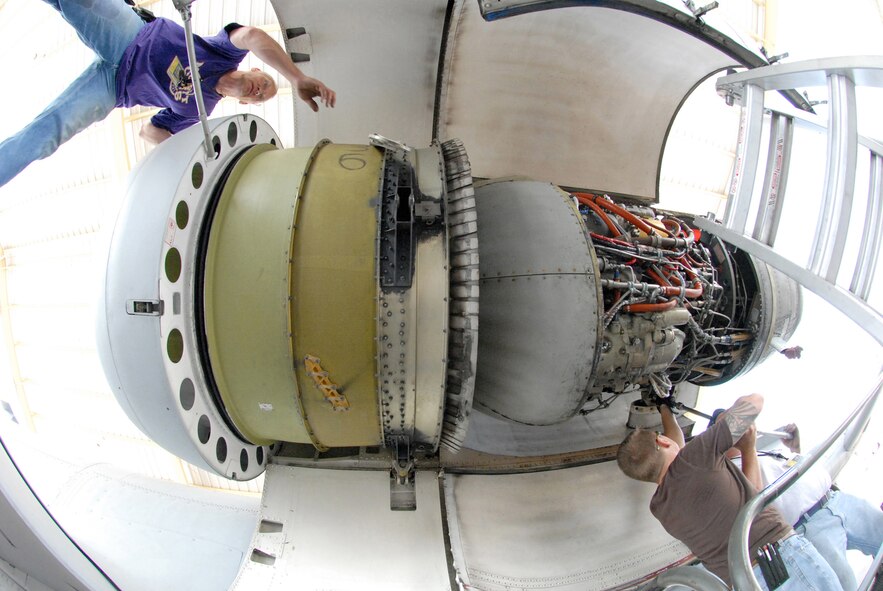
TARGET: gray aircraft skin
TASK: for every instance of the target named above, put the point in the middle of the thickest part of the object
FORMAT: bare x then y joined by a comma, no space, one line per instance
431,329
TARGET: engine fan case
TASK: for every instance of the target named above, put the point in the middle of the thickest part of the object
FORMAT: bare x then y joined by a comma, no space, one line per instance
290,274
537,346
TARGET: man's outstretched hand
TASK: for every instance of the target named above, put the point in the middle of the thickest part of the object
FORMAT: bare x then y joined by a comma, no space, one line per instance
792,352
793,442
310,89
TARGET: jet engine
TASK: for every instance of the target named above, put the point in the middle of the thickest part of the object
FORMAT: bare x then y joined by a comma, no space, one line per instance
372,295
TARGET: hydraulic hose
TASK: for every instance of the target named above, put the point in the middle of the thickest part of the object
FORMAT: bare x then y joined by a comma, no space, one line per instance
613,208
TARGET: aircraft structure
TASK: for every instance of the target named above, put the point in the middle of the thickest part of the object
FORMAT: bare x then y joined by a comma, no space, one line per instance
431,331
355,306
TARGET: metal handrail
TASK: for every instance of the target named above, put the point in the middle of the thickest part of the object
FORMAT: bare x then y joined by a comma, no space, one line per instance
737,552
183,7
693,577
841,75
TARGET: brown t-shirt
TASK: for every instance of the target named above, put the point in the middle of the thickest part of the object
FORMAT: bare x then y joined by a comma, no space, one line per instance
700,496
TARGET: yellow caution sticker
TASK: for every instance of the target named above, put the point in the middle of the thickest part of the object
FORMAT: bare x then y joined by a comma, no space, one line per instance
329,389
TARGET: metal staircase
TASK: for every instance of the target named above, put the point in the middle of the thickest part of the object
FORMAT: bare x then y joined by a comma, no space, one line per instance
820,273
752,222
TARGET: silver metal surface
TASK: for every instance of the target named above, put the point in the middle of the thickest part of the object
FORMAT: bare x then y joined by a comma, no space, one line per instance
390,88
34,541
865,70
776,311
462,236
168,397
747,154
693,577
411,349
432,285
491,435
872,233
332,529
133,526
397,326
804,121
540,300
412,327
503,539
830,236
856,309
555,82
196,79
775,179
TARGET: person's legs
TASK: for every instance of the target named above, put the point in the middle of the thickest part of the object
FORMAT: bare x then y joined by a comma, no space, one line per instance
827,533
863,522
107,27
807,570
88,99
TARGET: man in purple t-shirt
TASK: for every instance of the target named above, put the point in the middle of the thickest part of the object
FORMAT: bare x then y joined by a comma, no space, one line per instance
146,64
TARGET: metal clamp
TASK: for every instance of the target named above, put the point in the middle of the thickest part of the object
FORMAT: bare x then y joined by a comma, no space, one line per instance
402,489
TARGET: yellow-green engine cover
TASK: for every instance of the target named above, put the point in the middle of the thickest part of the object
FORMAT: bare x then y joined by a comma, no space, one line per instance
290,295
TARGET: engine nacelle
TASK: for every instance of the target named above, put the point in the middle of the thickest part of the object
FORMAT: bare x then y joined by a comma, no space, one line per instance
331,296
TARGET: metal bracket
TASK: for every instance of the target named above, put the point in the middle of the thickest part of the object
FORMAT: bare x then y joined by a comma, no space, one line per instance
775,58
183,6
144,307
402,476
811,102
295,32
700,11
404,213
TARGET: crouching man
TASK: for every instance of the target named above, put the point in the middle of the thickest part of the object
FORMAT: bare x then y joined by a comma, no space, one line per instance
699,492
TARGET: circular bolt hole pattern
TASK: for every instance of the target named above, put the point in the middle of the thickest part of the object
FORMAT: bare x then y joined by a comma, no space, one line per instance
173,264
221,450
197,175
175,345
232,134
260,455
243,460
204,429
253,131
187,393
182,214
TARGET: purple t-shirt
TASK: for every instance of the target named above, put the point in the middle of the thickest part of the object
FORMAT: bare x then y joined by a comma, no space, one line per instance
154,72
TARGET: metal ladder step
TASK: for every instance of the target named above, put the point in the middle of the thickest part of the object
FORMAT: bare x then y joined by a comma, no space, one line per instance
820,272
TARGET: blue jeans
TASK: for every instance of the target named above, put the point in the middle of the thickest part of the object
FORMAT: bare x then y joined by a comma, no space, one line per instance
105,26
807,570
845,523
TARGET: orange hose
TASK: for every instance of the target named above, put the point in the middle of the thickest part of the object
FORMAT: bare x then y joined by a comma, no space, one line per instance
611,240
613,208
659,307
668,290
659,279
616,231
667,222
690,292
